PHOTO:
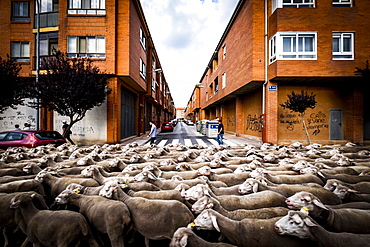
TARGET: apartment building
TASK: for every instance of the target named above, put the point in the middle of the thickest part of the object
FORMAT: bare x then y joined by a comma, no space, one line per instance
271,48
115,35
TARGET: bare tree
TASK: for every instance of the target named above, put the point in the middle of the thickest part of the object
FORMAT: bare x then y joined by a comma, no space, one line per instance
70,86
11,85
300,103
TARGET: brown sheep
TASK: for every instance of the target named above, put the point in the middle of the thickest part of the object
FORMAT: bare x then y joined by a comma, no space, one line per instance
52,228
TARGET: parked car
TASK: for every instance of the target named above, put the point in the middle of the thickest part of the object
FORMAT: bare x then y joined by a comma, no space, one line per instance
30,138
189,122
174,122
166,126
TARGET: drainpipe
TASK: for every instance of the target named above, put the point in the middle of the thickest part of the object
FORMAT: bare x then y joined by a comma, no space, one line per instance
266,75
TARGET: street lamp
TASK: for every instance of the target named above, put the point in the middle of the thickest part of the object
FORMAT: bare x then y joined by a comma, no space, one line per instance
38,63
156,71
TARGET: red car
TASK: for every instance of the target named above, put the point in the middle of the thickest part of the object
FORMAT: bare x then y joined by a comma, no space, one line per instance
166,126
30,138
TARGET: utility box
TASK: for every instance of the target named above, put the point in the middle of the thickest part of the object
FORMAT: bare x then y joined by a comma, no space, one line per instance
212,129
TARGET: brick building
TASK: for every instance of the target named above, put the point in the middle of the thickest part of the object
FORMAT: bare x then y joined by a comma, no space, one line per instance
114,33
273,47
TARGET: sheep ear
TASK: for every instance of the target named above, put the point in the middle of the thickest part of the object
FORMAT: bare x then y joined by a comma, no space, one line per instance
151,176
255,187
184,241
353,191
309,222
214,222
319,204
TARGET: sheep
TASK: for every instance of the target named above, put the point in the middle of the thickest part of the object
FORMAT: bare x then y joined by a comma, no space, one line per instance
154,219
349,195
22,185
169,174
10,217
339,219
253,201
107,216
288,179
161,195
162,183
7,179
361,187
229,179
252,185
80,189
299,224
247,232
237,214
58,184
52,228
344,177
186,237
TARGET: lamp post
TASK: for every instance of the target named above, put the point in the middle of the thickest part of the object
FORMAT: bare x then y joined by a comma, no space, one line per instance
37,62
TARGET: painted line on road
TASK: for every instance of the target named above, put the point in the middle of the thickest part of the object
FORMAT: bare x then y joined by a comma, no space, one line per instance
162,143
229,143
175,141
188,142
201,142
213,141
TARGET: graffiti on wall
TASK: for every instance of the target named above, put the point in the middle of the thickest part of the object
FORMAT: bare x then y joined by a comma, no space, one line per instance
254,123
78,130
231,121
7,122
315,121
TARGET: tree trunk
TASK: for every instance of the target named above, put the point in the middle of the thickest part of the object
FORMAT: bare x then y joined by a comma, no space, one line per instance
305,130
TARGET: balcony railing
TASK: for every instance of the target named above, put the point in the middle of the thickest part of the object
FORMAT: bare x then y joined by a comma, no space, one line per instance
47,20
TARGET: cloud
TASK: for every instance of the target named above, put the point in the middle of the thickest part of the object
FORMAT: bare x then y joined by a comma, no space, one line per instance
185,34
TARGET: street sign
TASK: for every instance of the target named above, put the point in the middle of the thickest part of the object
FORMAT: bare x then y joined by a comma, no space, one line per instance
272,88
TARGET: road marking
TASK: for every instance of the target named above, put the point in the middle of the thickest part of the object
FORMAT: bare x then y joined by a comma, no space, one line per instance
188,142
213,141
175,141
229,143
201,142
162,143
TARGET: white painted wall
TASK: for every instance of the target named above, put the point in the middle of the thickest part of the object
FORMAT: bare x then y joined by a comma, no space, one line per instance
92,129
19,116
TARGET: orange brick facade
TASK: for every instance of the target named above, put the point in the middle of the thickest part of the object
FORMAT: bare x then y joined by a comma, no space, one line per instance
138,93
257,82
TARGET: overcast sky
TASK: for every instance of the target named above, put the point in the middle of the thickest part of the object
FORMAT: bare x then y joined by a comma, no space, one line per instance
185,35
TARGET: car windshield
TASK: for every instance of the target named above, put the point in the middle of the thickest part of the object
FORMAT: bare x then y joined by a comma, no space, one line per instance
45,135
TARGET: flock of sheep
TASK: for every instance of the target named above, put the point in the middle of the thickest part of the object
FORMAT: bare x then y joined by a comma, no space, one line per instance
176,195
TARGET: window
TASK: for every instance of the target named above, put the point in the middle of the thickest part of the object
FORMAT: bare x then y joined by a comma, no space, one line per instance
210,90
215,64
342,3
48,43
142,69
292,4
343,46
273,49
223,52
91,47
20,51
216,85
86,7
48,13
288,46
20,11
153,85
223,80
142,38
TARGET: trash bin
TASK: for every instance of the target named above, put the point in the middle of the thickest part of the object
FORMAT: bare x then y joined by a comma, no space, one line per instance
198,126
212,128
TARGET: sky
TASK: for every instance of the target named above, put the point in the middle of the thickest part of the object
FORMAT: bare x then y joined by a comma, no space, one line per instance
185,35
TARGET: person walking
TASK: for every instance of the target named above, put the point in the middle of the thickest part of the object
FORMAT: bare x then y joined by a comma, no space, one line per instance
220,133
153,132
67,134
27,126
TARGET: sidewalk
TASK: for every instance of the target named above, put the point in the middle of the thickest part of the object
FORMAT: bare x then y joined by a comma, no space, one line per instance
143,139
